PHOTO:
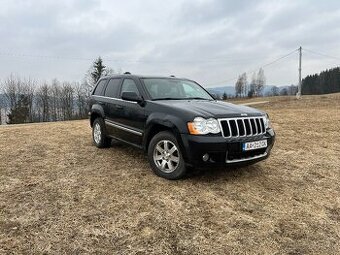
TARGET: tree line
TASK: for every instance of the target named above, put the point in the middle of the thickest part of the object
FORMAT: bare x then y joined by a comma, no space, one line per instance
285,91
27,101
326,82
254,88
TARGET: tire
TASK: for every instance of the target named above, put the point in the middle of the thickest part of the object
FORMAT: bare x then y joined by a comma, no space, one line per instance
99,136
165,156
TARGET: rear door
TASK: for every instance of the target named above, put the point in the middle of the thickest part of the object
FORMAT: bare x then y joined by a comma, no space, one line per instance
129,117
111,95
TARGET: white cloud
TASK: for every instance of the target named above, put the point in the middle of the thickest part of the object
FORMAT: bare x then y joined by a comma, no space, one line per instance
204,40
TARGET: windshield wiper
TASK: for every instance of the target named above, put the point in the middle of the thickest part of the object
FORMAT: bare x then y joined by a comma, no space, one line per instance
183,98
198,98
167,98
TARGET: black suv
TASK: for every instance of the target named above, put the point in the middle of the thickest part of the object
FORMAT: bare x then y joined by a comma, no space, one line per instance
178,123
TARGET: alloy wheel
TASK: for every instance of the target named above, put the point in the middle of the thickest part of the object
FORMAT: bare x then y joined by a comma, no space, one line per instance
166,156
97,133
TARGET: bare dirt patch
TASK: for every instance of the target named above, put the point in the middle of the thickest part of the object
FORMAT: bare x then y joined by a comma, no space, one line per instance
60,194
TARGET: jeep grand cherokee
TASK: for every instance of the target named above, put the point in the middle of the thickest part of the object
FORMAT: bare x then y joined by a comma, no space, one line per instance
178,123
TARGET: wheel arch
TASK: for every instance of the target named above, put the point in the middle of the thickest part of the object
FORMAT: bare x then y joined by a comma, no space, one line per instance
96,112
156,127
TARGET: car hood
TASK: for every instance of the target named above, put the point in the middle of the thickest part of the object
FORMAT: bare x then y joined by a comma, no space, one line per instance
209,109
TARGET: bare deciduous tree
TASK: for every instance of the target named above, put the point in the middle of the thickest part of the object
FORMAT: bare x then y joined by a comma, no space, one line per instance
260,82
67,96
244,84
241,85
238,87
11,86
28,87
55,100
81,99
43,102
275,91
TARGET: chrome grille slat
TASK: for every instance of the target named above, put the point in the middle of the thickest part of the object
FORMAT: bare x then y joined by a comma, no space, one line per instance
230,134
257,130
237,128
251,128
244,128
234,126
258,125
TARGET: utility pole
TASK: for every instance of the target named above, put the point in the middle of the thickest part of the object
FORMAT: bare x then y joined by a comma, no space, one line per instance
298,95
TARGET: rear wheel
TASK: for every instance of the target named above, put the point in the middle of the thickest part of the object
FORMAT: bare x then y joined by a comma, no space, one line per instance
99,136
165,156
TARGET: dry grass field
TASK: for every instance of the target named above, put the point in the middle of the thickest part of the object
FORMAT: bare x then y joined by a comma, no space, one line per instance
61,195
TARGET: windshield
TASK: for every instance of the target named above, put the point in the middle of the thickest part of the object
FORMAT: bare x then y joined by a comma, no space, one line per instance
176,89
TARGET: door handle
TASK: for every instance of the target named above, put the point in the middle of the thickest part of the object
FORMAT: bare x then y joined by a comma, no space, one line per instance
119,107
101,103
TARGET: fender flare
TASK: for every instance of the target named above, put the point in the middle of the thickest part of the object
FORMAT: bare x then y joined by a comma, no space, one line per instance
169,122
96,109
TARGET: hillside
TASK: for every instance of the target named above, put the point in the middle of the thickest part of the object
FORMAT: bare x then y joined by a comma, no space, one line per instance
230,90
61,195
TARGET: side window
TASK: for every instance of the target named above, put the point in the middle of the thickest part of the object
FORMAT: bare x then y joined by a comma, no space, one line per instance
100,87
129,86
112,88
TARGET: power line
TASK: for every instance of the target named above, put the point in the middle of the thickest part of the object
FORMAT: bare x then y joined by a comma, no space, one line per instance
229,59
42,56
321,54
262,66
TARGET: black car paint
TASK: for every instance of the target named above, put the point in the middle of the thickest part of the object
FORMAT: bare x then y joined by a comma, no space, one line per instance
135,123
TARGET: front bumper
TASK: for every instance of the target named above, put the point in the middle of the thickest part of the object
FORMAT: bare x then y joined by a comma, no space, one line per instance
224,151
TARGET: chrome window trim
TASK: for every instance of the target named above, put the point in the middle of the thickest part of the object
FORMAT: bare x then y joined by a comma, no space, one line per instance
118,99
113,124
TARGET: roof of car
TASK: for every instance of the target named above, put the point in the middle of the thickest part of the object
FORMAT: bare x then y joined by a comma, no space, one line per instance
142,76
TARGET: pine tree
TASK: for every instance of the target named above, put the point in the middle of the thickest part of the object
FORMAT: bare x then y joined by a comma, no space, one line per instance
20,113
98,70
327,81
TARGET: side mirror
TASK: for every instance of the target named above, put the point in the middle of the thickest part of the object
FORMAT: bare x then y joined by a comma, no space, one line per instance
131,96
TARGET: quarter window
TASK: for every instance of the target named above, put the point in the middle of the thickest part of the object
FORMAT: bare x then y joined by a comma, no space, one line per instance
99,90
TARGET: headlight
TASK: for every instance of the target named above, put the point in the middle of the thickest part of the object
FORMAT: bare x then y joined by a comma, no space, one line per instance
267,123
201,126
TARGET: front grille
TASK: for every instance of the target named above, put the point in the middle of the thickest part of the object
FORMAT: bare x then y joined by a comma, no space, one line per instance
242,127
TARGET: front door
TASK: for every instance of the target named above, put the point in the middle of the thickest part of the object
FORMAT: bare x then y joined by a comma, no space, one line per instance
128,118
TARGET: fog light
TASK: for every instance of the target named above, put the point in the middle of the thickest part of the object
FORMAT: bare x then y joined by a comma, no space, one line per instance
205,157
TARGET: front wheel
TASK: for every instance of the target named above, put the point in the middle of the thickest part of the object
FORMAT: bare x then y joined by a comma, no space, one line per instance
165,156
